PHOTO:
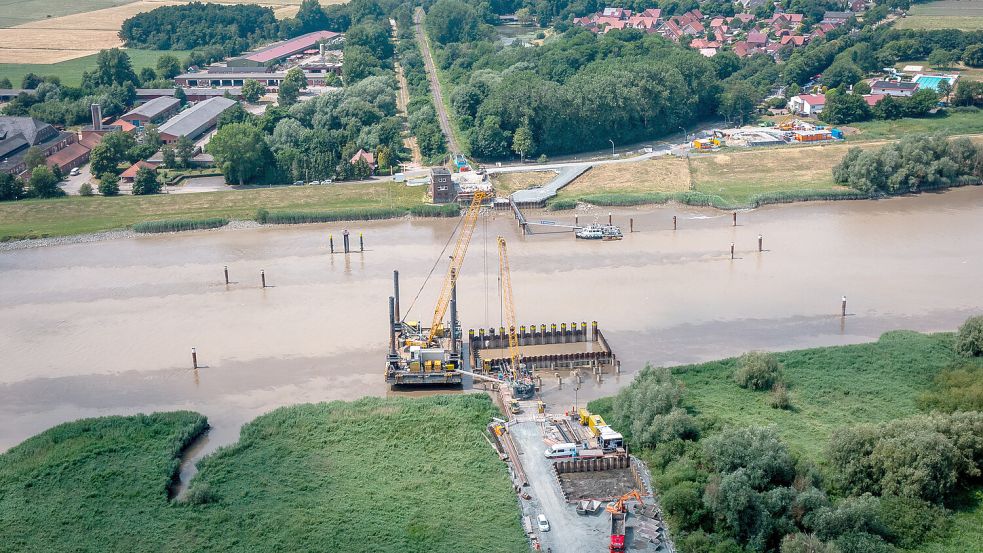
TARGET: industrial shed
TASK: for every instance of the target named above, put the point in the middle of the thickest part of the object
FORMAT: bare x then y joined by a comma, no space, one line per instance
154,111
195,121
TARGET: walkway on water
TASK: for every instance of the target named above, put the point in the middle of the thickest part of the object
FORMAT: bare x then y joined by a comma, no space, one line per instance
539,196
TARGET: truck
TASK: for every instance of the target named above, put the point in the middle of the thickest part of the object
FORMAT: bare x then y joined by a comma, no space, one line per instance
617,532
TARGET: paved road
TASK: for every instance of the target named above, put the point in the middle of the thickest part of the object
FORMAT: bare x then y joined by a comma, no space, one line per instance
445,122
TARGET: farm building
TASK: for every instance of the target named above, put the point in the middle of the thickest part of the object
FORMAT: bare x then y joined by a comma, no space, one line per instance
892,88
18,134
280,51
154,111
807,104
194,121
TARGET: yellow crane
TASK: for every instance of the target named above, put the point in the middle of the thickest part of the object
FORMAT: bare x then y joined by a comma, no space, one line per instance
510,320
457,259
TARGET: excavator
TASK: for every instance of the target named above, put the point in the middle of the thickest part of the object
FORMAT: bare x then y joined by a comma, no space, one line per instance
619,515
432,355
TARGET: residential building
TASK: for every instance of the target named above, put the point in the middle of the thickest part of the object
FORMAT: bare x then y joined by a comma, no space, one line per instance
893,88
130,174
837,18
807,104
441,186
152,112
8,94
367,156
280,51
194,121
872,99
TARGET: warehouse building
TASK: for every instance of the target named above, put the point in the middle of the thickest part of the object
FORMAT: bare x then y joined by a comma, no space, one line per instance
276,53
193,94
194,121
154,111
18,134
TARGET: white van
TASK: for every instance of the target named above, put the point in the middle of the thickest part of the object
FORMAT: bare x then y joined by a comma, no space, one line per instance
561,450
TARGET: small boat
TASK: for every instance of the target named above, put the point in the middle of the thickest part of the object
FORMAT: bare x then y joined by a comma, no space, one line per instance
597,231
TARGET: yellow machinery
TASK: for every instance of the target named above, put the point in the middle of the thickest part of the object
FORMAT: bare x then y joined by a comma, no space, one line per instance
619,505
431,356
522,386
593,422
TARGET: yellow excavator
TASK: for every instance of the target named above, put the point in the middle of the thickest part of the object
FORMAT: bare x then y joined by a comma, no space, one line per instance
432,355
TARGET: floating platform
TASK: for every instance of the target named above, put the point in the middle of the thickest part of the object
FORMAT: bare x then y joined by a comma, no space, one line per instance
544,348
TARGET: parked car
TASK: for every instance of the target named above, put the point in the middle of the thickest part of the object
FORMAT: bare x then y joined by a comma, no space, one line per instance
326,181
314,182
74,172
298,183
544,525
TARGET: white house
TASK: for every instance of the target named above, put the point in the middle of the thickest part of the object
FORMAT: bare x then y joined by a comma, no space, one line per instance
807,104
892,88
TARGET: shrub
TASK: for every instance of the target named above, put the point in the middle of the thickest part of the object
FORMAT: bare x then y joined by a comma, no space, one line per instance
684,503
109,184
911,521
780,398
429,210
561,204
756,450
957,388
969,339
758,370
199,494
806,543
300,217
649,409
85,189
619,199
176,225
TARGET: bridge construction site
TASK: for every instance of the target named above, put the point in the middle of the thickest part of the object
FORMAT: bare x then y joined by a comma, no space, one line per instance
564,465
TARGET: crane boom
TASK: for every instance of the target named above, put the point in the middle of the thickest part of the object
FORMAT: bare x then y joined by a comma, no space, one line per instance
510,320
463,239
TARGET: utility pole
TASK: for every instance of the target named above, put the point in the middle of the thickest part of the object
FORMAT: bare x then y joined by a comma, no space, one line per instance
612,147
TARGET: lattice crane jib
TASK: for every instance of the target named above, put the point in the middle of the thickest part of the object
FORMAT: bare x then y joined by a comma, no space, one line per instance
510,318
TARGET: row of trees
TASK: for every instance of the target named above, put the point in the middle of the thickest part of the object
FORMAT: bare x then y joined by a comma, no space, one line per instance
842,107
915,163
421,114
43,183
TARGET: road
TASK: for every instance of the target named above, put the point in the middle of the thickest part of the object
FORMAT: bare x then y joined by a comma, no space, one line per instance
438,98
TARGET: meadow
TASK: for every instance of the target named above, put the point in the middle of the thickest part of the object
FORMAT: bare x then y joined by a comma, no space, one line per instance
70,71
373,475
965,15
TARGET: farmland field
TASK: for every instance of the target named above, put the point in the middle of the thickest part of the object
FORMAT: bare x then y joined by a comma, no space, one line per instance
70,71
380,475
79,29
965,15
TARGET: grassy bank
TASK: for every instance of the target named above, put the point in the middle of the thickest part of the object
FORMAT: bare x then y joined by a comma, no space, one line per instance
70,72
379,475
944,14
77,214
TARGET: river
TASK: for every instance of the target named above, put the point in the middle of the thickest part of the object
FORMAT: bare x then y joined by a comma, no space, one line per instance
107,327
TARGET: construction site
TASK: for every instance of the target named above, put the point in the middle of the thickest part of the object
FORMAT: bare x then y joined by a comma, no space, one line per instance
577,486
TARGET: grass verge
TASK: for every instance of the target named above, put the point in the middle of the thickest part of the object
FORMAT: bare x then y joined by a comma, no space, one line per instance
78,215
379,475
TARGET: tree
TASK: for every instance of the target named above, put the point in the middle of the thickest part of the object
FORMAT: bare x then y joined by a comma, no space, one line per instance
843,108
973,55
147,75
861,88
43,183
968,93
240,150
31,81
184,151
371,35
168,66
34,157
11,187
180,95
842,72
806,543
758,451
5,83
103,160
888,108
969,339
737,103
109,184
168,157
113,67
452,21
252,90
944,88
522,142
920,103
940,58
85,189
145,182
57,172
289,92
310,18
296,76
359,64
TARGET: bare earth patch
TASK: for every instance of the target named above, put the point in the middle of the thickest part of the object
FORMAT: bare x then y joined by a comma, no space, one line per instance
663,174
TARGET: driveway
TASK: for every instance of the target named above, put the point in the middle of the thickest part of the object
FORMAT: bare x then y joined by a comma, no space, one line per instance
72,183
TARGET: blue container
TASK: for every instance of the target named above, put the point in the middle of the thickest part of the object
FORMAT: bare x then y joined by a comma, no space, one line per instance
837,134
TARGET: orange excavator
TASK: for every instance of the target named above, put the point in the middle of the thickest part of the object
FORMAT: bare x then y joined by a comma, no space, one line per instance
619,512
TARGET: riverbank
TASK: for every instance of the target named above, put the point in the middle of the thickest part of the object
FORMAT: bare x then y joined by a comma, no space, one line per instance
368,475
830,390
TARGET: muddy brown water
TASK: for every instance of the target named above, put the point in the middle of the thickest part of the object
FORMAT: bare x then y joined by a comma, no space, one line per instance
107,327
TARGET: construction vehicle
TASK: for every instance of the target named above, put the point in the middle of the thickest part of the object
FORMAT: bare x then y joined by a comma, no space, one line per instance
514,406
522,384
421,355
607,438
619,517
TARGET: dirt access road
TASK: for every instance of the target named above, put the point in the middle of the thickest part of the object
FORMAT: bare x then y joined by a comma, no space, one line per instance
438,99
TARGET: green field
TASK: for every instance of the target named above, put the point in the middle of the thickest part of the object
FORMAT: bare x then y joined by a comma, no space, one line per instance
965,15
18,12
70,71
374,475
77,214
951,123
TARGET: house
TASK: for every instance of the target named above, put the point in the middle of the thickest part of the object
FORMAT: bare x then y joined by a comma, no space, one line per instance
194,121
757,38
441,186
152,112
836,18
743,19
794,40
892,88
18,134
130,174
858,6
872,99
807,104
280,51
363,155
743,49
620,18
751,5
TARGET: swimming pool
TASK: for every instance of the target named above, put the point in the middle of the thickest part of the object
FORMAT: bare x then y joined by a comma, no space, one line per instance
928,81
